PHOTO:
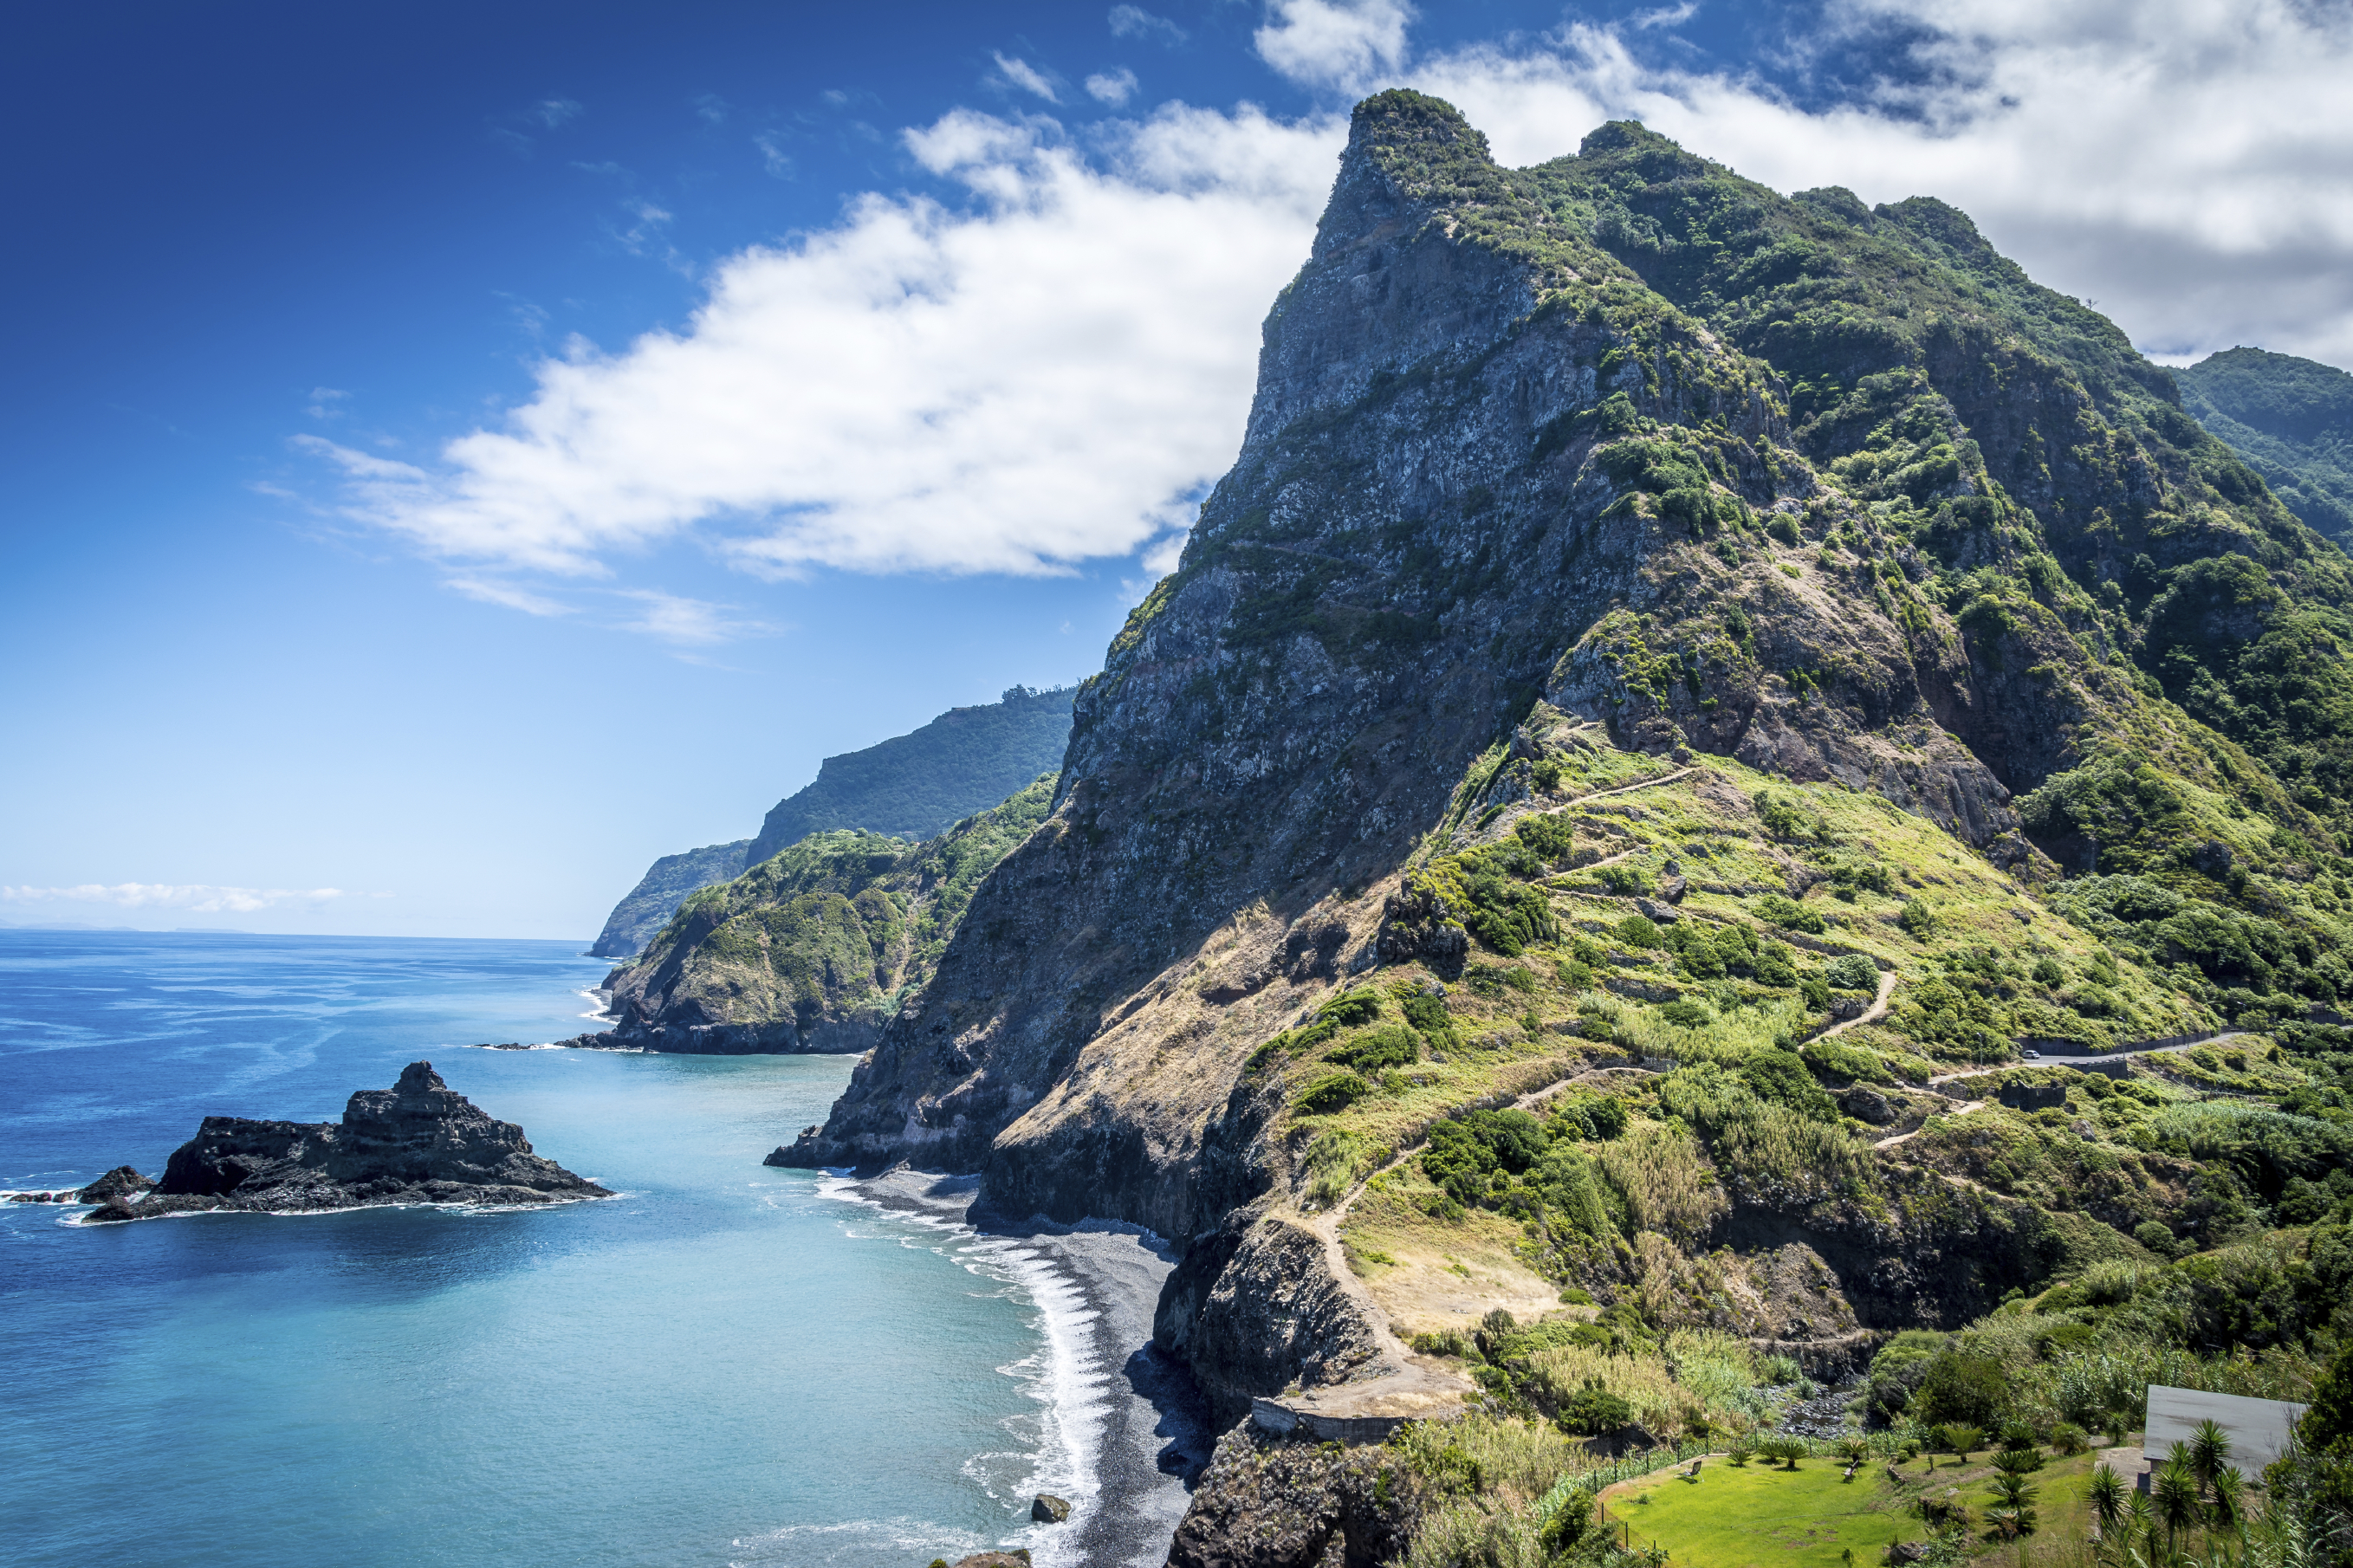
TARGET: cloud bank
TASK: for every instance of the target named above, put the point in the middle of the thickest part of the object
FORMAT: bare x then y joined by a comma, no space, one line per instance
1049,372
194,897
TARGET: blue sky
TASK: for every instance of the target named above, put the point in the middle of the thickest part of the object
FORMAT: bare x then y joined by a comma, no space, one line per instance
455,454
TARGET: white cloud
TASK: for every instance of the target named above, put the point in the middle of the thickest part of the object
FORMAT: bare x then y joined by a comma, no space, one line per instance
555,112
1343,44
773,156
326,403
1112,87
1027,77
1136,22
2188,163
1045,374
1041,379
197,899
681,620
495,592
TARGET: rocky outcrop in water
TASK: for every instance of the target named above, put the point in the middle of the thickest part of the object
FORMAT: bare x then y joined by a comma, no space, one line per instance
419,1141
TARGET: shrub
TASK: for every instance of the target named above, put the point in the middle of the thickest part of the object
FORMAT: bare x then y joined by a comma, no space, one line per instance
1775,965
1917,919
1686,1013
1429,1016
1638,932
1624,880
1852,972
1963,1389
1547,836
1354,1008
1333,1091
1595,1413
1787,913
1389,1047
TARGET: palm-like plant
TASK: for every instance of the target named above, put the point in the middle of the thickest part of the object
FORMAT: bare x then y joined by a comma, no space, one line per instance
1961,1439
2177,1497
2209,1449
2107,1492
2014,1508
2226,1493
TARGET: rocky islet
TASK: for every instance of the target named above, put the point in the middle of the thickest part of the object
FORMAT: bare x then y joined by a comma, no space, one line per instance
419,1141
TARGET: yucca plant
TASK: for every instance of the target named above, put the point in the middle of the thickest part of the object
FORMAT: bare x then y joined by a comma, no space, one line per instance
2177,1496
2106,1493
2209,1450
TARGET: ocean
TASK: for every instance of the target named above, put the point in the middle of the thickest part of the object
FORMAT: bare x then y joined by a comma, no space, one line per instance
728,1364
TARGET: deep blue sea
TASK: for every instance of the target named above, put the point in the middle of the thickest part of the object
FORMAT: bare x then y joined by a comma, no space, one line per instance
725,1365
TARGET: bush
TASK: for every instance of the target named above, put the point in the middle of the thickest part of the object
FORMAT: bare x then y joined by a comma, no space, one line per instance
1852,972
1626,881
1640,931
1333,1091
1550,836
1357,1007
1684,1014
1917,919
1964,1390
1787,913
1390,1047
1594,1412
1429,1016
2156,1236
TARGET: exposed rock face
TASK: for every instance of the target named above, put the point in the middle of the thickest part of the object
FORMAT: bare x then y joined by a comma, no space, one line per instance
910,786
1505,453
1268,1502
121,1181
1254,1307
419,1141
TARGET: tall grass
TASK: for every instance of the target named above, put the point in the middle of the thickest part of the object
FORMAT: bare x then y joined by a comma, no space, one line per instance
1667,1183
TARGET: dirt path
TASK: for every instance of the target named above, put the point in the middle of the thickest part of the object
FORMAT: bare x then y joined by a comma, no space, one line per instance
1629,789
1906,1137
1871,1014
2089,1062
1415,1379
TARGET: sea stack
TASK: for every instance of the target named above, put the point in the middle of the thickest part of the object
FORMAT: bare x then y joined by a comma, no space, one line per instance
419,1141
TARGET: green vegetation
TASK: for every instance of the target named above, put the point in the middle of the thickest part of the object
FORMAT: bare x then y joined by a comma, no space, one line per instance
835,930
2290,419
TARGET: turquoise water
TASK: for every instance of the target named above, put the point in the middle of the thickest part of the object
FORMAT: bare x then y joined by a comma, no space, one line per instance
725,1365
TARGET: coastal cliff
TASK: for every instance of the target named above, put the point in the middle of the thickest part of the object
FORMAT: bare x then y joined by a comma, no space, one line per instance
813,949
1667,655
915,785
419,1141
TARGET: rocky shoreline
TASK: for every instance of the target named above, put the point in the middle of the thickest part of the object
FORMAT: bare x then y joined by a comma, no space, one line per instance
1144,1425
419,1141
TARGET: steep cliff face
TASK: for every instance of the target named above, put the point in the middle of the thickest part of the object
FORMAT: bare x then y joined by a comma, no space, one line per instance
1673,468
915,785
646,908
910,786
813,949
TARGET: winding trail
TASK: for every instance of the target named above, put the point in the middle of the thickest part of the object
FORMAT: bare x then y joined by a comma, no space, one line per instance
1962,1110
1871,1014
1413,1380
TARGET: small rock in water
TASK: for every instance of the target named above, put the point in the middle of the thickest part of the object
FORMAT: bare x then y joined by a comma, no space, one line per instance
120,1182
1019,1558
1046,1509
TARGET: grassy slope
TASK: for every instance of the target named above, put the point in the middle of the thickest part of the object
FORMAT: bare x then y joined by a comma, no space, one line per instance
839,926
1761,1516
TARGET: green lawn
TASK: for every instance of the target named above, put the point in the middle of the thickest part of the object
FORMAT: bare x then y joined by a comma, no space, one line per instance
1763,1517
